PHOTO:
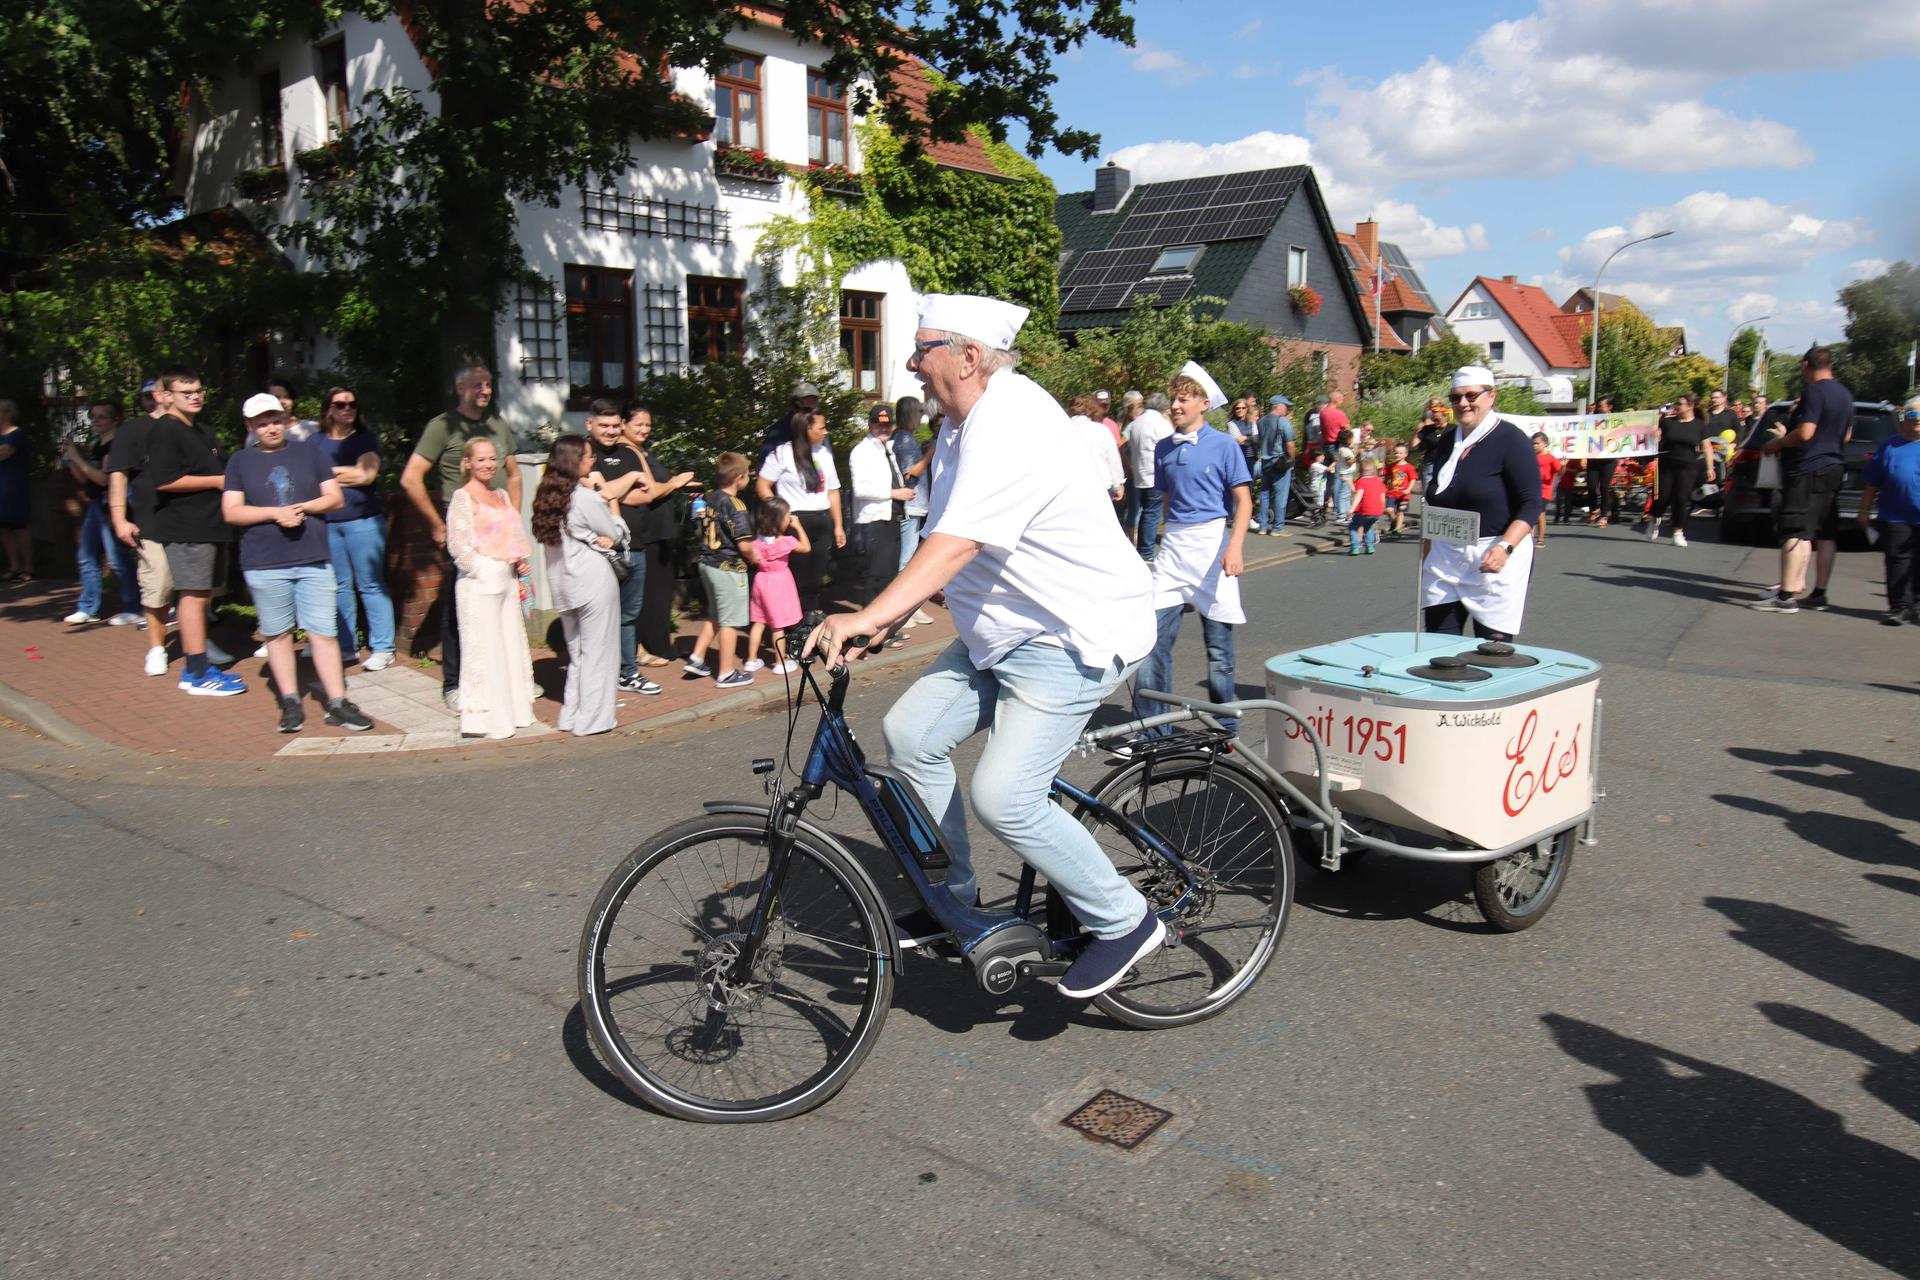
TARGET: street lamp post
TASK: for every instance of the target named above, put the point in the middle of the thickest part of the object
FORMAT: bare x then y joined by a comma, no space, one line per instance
1726,377
1593,355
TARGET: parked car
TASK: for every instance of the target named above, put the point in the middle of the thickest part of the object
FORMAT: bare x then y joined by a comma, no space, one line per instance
1751,510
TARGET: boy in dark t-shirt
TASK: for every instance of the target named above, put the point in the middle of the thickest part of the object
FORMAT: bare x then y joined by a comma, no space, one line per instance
723,544
270,493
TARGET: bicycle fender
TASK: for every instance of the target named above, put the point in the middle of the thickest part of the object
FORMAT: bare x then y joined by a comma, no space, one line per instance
761,812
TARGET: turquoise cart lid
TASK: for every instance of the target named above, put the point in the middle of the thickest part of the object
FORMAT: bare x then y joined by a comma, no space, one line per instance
1381,664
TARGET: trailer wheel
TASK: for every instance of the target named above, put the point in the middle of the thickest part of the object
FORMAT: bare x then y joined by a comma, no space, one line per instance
1515,891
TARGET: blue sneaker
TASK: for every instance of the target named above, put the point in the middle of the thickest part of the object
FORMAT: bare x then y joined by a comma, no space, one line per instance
214,684
1105,961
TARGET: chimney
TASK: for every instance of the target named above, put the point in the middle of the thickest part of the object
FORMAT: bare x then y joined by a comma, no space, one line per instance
1367,235
1511,279
1110,186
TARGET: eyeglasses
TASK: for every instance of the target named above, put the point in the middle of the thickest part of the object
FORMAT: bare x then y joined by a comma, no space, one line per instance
343,404
921,348
1464,397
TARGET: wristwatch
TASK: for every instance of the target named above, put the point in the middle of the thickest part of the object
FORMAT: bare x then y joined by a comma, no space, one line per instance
1507,547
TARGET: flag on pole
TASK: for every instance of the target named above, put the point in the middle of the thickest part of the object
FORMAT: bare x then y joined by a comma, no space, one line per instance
1757,379
1913,365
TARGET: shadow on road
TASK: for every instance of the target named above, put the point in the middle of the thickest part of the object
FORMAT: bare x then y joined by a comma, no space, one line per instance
1861,839
1903,883
1822,948
1680,582
1892,1076
1893,789
1687,1116
1378,887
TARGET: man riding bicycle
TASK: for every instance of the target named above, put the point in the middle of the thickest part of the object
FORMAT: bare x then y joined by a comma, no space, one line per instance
1053,610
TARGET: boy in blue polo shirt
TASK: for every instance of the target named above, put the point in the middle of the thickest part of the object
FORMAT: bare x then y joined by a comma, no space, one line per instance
1893,476
1209,501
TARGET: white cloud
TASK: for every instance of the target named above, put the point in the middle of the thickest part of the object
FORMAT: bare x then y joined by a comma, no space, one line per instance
1670,36
1563,86
1720,237
1247,71
1866,269
1247,30
1400,222
1153,60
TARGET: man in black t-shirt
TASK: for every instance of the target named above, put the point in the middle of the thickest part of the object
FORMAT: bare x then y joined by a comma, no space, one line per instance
188,475
129,506
618,470
1812,465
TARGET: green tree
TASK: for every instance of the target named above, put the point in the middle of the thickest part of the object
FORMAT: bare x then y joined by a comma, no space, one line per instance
1883,322
1631,349
1433,363
1691,374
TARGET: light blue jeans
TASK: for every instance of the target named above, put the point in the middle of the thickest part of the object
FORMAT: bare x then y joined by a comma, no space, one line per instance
909,537
359,552
1342,499
96,537
1033,704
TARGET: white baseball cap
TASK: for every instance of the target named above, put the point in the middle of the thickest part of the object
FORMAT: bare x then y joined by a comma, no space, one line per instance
1215,397
1472,375
260,402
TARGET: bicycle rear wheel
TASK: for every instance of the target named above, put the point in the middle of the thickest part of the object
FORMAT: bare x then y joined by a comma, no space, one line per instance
669,1015
1220,819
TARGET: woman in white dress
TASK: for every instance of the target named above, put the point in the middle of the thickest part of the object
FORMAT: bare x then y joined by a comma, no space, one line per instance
489,547
577,527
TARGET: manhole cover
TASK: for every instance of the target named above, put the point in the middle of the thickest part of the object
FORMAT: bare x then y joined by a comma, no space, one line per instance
1116,1119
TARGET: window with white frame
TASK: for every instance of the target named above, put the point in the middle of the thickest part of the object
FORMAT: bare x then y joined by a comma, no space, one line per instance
1496,351
1477,311
1296,266
1179,258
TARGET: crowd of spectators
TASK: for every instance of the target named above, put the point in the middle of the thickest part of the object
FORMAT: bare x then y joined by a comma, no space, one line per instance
300,507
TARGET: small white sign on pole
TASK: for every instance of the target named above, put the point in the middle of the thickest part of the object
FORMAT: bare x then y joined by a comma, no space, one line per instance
1453,527
1439,524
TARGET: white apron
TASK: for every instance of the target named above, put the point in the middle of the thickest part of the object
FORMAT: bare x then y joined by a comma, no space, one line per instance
1186,570
1496,600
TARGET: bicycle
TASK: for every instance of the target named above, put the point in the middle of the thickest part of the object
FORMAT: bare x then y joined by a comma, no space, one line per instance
739,966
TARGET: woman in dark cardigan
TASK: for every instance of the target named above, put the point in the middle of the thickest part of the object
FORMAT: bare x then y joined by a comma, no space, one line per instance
1484,465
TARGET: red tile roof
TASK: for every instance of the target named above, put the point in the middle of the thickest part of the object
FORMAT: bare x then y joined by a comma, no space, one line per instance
1553,333
1394,297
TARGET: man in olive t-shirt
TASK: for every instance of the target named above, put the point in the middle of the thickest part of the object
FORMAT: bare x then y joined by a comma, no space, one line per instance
432,476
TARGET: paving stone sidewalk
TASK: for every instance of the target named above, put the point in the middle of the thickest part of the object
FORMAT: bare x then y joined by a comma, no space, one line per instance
85,684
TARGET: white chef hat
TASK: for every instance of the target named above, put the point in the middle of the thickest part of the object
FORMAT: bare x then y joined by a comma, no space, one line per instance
1193,370
986,320
260,402
1472,375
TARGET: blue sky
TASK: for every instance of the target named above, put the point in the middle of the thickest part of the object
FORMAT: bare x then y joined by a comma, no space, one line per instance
1781,148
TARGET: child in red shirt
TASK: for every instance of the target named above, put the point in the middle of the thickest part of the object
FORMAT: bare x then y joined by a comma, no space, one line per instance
1369,504
1549,472
1399,478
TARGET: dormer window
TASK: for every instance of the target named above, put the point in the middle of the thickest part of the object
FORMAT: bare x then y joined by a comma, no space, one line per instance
826,120
1178,260
736,103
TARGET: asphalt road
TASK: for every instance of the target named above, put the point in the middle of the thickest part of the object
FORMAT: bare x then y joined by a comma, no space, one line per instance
317,1018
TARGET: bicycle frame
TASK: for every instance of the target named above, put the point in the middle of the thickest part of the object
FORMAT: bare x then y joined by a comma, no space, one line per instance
835,757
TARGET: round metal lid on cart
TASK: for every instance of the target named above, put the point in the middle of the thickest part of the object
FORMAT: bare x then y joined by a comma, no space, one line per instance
1448,669
1498,654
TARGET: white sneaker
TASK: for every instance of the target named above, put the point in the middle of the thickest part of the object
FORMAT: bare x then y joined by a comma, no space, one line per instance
1679,538
261,652
217,656
1653,531
753,665
124,620
156,661
785,668
80,615
377,661
920,619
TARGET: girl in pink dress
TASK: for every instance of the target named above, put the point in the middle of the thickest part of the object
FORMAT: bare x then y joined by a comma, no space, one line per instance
774,599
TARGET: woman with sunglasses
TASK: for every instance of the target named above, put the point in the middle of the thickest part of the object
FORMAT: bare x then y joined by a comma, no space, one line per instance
1484,465
357,529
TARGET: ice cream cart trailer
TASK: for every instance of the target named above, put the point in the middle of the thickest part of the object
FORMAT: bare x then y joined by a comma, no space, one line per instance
1433,748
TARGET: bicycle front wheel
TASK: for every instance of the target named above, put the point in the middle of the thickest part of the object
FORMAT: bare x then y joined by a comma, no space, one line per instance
1221,821
667,1006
